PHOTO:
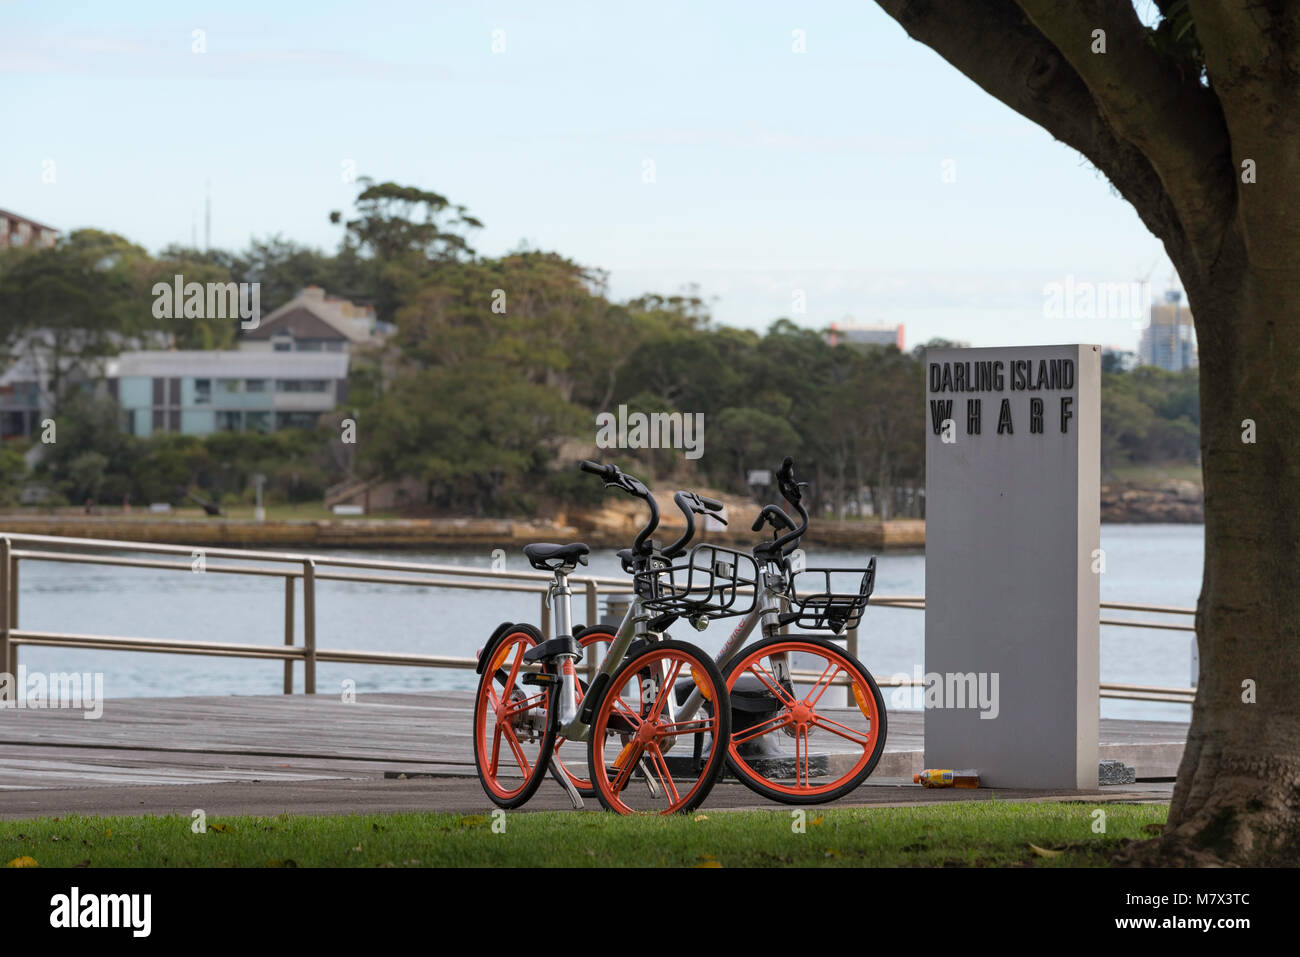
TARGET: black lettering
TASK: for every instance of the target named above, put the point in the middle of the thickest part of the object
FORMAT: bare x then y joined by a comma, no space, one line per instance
1036,416
940,412
959,377
935,385
972,416
1042,374
1066,414
1004,419
1067,375
997,375
947,377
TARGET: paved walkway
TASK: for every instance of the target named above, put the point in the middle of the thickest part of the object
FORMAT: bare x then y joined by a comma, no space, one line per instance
316,755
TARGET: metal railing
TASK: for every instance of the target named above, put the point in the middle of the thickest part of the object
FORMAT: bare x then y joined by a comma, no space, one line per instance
312,569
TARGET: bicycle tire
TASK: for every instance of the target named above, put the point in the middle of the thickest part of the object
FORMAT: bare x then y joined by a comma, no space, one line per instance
510,650
874,746
652,730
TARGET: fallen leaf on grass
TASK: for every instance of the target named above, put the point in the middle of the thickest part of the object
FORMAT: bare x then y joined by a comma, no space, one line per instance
23,862
1045,851
700,817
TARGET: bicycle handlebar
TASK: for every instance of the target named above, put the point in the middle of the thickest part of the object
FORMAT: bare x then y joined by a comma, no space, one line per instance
692,504
614,478
774,514
792,491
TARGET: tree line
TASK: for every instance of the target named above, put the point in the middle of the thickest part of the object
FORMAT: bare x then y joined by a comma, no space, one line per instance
497,371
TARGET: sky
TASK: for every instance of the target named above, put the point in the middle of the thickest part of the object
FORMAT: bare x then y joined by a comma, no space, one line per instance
803,160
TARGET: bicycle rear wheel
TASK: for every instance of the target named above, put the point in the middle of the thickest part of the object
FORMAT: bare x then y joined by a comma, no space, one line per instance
513,739
642,758
772,754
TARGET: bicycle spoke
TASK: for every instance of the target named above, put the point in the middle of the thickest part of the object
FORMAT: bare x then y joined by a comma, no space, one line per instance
632,756
693,726
758,671
822,684
523,704
665,690
764,727
803,733
621,707
518,750
495,759
843,730
665,777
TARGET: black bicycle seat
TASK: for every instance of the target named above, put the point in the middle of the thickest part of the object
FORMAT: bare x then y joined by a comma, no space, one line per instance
546,557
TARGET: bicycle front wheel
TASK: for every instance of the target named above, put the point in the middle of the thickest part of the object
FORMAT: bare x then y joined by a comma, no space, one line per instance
644,755
513,737
810,721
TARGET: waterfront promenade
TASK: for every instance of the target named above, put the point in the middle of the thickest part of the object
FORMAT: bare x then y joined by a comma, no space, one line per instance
316,754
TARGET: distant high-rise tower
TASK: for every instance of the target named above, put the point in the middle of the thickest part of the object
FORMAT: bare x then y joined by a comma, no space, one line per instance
1169,340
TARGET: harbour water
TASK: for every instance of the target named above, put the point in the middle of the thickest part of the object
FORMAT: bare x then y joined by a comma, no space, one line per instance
1150,564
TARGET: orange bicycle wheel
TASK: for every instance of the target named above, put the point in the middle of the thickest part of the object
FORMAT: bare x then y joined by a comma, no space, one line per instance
781,709
643,759
512,736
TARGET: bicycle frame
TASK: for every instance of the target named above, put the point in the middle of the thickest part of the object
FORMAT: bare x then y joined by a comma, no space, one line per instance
767,606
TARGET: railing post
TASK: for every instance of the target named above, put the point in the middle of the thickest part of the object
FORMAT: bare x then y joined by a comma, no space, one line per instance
5,548
309,626
288,632
546,614
593,611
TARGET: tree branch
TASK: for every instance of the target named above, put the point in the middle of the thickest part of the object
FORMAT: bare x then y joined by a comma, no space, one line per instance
1176,122
1252,55
996,45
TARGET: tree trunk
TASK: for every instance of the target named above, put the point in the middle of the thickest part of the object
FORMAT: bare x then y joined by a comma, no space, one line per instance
1238,790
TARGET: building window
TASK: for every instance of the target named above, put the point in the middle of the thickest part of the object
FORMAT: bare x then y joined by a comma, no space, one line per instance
257,421
228,422
202,391
310,345
334,345
302,385
254,385
231,385
296,420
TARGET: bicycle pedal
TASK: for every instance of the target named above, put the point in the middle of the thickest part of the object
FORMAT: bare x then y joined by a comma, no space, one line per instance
539,678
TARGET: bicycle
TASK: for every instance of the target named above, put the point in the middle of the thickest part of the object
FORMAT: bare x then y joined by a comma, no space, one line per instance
631,715
766,698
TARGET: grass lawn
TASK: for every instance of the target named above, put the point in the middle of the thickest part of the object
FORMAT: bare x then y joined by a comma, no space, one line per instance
966,834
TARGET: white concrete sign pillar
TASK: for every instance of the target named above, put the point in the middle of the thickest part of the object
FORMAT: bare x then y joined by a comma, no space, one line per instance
1012,562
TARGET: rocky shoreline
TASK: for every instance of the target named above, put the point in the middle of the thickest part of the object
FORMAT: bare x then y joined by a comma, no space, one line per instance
1172,502
612,526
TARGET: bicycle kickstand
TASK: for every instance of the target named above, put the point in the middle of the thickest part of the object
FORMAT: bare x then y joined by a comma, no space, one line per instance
574,796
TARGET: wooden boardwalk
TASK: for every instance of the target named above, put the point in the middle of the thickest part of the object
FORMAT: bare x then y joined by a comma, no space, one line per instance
298,740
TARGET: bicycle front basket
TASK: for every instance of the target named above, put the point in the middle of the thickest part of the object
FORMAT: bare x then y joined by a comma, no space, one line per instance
826,599
708,582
